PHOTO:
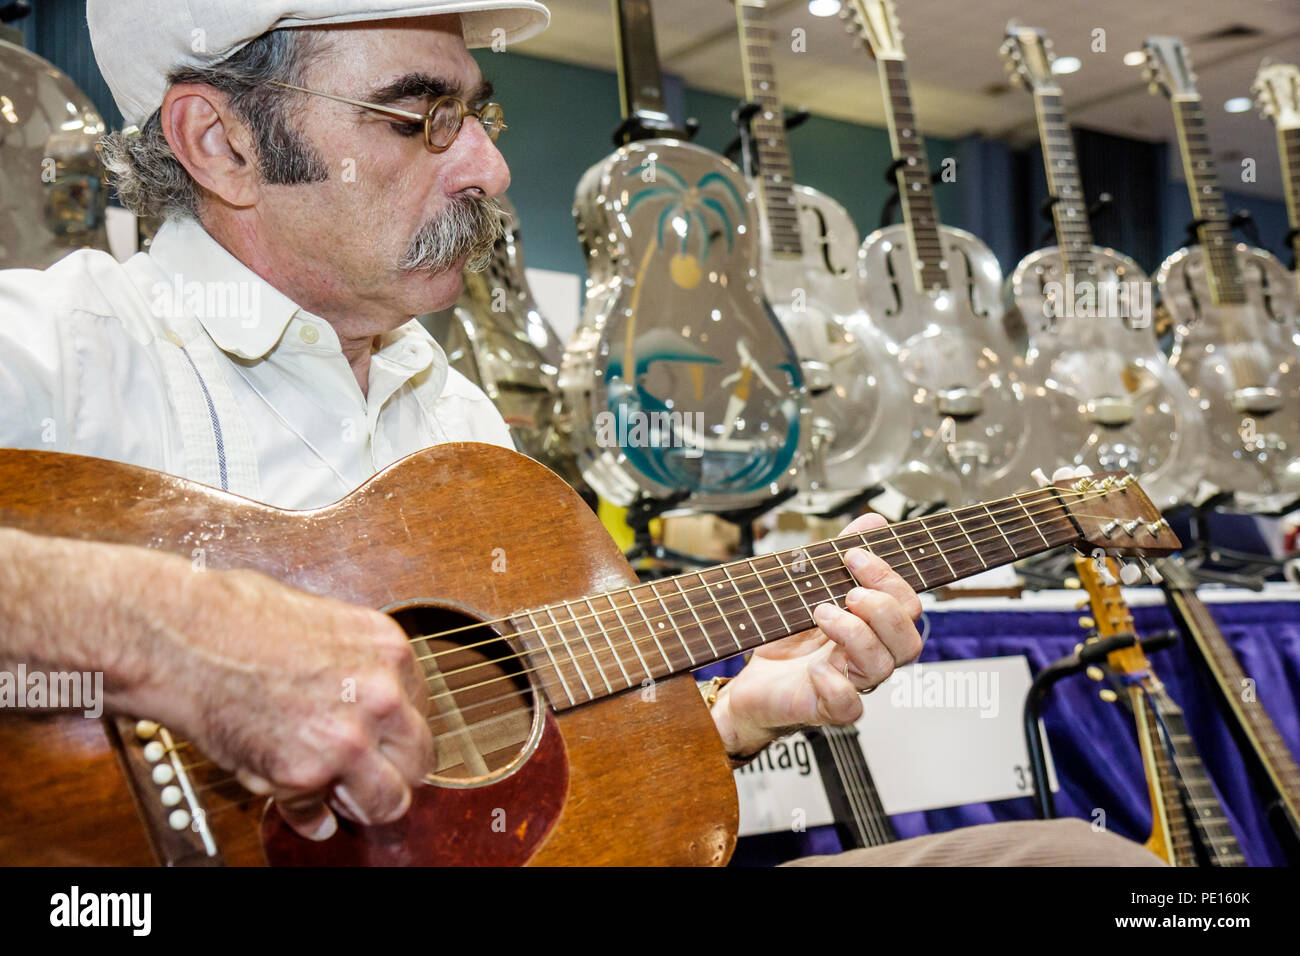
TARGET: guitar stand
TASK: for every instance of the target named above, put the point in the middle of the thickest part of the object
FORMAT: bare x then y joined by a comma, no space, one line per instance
745,518
634,128
1241,219
1104,201
741,149
639,515
1252,568
1089,655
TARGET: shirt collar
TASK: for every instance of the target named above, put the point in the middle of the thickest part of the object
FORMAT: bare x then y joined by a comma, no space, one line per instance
242,312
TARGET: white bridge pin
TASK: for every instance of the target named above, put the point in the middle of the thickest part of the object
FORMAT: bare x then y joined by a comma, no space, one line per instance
153,751
178,819
163,773
171,796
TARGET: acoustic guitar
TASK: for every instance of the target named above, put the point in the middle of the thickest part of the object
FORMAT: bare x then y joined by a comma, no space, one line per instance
1188,825
569,728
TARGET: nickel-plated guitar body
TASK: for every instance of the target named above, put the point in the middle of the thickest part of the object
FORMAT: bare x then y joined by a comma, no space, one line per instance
498,338
1241,362
1107,393
676,325
970,430
850,368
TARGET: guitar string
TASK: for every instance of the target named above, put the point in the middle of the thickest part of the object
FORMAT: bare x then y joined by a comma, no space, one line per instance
969,567
636,603
873,811
635,641
870,832
567,645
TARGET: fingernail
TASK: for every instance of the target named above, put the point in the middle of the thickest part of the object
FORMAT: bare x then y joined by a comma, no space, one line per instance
826,613
342,795
856,559
327,828
856,595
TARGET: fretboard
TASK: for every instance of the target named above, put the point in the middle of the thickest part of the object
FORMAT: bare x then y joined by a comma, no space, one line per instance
1166,793
1069,209
1195,620
771,147
914,187
1288,142
604,644
860,816
1203,807
1208,205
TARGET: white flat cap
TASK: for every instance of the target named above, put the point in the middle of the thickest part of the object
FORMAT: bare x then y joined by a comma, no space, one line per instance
139,42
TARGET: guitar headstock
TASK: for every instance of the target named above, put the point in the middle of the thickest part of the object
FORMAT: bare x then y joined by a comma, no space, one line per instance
876,22
1168,68
1028,54
1114,516
1110,612
1277,93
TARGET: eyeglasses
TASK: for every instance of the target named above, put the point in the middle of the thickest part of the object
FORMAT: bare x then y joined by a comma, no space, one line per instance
441,124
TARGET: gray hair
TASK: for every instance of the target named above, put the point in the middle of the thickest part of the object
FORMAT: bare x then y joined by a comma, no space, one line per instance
152,183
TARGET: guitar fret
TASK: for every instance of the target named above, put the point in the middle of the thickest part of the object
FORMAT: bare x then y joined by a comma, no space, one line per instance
689,604
605,633
758,629
672,623
609,688
555,665
636,645
650,629
774,601
722,613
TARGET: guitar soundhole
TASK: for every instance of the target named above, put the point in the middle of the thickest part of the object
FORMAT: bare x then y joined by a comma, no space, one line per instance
482,705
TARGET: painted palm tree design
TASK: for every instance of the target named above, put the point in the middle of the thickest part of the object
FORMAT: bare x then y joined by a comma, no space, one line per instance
688,211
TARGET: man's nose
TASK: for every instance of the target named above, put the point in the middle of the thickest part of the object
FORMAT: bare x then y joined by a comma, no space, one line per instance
479,163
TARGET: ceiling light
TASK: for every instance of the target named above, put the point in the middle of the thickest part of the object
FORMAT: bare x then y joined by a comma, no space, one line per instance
1066,64
1134,58
823,8
1238,104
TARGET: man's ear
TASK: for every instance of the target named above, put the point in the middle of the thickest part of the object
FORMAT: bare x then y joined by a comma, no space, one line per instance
210,141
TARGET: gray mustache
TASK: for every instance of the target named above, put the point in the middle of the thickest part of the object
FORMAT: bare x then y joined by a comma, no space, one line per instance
468,229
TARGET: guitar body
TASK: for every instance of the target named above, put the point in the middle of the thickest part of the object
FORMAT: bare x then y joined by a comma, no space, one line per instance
971,430
850,367
1243,362
676,328
1108,392
467,530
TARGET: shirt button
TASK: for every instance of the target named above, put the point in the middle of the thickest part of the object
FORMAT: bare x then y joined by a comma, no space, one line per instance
175,339
309,334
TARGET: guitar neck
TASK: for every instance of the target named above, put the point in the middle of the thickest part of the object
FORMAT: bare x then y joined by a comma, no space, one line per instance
913,176
602,645
859,813
1196,622
1069,208
1288,144
1171,834
771,146
1208,205
1203,807
641,82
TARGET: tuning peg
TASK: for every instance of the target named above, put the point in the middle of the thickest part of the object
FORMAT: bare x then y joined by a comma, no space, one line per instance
1064,473
1073,584
1153,575
1107,578
1130,574
1040,477
1108,695
1083,471
1087,623
1095,672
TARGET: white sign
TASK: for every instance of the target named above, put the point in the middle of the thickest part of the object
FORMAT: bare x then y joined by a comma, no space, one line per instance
938,734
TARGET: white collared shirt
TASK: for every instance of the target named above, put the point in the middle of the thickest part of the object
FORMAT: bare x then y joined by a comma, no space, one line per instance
131,361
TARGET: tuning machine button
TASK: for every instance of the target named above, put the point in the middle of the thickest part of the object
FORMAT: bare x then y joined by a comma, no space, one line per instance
1108,695
1130,574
